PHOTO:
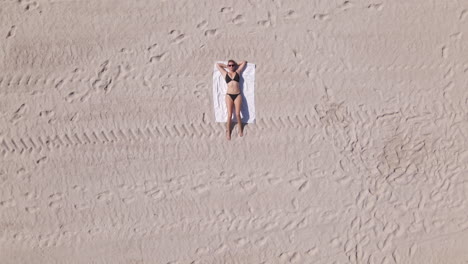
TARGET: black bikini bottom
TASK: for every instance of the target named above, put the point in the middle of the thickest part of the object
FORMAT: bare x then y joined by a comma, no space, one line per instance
233,96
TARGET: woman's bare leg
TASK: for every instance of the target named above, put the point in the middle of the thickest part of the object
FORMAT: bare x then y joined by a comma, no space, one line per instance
229,105
238,104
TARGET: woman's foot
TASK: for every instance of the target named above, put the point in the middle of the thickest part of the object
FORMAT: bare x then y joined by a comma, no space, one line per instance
241,130
228,135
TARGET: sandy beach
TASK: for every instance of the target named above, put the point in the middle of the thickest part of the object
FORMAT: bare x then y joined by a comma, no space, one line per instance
110,152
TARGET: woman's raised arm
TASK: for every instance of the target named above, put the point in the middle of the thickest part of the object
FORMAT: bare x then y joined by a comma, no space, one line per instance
221,67
241,67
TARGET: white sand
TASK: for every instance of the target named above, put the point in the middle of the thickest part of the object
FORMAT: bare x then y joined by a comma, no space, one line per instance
109,152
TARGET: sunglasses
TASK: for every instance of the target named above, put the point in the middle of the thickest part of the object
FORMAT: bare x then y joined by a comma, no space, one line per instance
231,65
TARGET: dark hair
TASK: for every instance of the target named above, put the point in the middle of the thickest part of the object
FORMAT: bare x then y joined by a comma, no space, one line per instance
232,61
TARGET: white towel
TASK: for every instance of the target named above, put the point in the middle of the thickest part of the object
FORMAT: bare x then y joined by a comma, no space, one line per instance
247,85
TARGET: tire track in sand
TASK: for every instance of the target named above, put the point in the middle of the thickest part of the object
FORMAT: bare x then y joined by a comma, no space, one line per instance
38,143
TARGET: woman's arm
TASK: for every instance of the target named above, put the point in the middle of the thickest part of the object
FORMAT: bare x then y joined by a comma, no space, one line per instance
221,67
241,67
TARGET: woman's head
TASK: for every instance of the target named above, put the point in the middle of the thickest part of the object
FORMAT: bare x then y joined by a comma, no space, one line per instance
232,65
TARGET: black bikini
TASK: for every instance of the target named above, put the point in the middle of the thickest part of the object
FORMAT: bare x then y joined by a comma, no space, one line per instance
228,79
236,78
233,96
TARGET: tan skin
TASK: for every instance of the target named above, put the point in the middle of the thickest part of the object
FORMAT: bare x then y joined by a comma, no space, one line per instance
233,88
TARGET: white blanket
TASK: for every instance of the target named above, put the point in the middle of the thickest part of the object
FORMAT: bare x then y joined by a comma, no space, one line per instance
247,85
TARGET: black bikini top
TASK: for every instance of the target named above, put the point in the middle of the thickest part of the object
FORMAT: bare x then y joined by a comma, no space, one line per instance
228,79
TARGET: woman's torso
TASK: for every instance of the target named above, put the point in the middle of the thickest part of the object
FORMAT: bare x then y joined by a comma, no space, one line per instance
233,86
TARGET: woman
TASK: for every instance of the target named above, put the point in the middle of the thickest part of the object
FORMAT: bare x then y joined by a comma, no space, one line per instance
233,95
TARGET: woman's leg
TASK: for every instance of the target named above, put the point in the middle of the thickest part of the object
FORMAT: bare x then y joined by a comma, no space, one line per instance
229,105
238,104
